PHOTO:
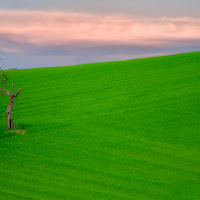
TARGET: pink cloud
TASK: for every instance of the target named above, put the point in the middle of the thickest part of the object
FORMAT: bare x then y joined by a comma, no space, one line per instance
11,50
43,28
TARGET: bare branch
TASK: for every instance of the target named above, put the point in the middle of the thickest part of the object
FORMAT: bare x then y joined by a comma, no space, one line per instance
16,95
6,78
10,106
3,73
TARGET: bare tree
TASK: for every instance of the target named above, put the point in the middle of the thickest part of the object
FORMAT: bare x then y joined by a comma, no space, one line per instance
12,96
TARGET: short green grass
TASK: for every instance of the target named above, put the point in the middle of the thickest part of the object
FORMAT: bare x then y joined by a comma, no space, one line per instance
115,130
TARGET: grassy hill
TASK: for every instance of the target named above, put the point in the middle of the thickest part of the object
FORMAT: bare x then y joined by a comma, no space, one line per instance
115,130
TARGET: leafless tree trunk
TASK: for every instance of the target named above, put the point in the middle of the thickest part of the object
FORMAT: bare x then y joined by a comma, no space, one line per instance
12,96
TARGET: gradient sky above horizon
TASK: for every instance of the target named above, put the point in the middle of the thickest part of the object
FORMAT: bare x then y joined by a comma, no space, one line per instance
46,33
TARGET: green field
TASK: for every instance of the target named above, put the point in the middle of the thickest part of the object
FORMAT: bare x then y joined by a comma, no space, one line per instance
115,130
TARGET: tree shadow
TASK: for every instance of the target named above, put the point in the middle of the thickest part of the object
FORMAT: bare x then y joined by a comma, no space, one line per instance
18,130
6,135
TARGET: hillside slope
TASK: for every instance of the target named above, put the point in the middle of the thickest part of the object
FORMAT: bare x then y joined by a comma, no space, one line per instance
116,130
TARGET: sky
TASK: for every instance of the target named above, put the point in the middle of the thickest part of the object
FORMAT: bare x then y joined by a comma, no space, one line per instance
47,33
